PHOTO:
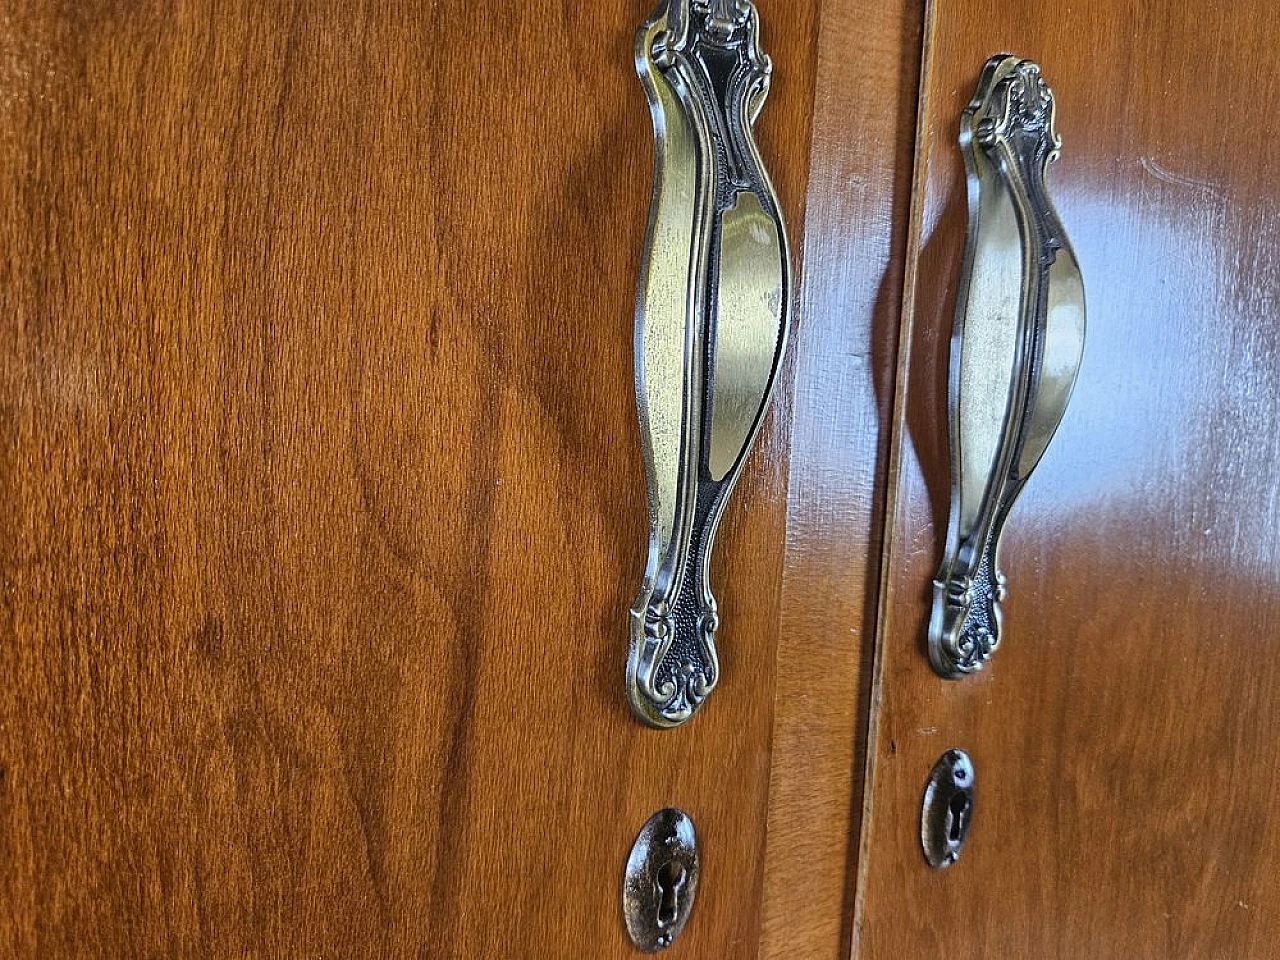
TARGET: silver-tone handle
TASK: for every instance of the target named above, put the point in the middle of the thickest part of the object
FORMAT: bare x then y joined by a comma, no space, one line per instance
1015,349
711,322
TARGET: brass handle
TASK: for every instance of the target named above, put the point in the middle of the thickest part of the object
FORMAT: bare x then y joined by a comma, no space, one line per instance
711,322
1015,350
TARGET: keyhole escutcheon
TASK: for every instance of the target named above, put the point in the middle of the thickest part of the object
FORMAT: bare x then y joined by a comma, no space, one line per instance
661,880
947,813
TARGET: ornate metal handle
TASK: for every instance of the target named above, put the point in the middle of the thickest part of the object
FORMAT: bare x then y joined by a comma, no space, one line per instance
711,322
1015,348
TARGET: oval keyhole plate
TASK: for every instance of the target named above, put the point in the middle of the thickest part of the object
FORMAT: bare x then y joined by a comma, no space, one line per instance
947,812
661,880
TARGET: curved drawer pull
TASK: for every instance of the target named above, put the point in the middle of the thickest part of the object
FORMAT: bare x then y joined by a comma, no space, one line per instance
1015,349
711,321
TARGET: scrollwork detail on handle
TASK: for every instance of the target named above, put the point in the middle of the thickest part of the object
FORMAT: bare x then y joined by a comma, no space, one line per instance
711,321
1016,349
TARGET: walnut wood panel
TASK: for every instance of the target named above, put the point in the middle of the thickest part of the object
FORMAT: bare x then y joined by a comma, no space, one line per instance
845,354
321,492
1124,734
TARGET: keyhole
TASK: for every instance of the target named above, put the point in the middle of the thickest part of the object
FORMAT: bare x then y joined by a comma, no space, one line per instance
671,879
957,813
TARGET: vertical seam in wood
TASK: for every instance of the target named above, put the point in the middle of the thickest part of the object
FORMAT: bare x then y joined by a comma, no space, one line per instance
897,437
785,417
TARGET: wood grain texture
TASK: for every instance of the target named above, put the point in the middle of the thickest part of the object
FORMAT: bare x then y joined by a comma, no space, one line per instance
321,493
1123,735
844,354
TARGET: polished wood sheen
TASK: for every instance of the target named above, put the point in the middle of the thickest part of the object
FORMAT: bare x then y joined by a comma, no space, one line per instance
321,497
1124,733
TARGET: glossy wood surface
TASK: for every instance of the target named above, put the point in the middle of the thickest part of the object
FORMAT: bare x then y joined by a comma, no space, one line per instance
1124,734
321,493
844,358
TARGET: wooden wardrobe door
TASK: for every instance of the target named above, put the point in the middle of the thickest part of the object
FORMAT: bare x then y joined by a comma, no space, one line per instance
1124,734
321,495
